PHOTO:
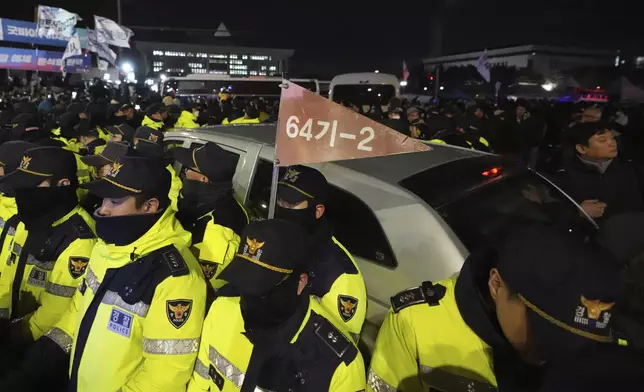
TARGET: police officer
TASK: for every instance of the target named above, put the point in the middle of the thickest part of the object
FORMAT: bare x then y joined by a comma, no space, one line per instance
545,293
51,246
89,138
334,276
127,114
155,116
189,116
207,206
251,116
101,163
148,142
67,133
10,157
122,133
275,336
136,319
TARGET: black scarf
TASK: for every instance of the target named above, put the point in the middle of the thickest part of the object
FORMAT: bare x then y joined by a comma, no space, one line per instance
124,230
41,207
199,198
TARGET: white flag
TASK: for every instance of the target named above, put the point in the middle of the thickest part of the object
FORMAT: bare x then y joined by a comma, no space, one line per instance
103,65
56,23
73,49
483,66
103,50
110,32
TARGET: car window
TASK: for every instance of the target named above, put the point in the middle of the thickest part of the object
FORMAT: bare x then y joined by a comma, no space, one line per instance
490,200
354,224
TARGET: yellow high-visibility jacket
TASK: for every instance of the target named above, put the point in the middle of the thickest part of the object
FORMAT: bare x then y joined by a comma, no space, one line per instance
175,188
329,361
135,322
44,280
148,122
8,219
186,120
338,283
419,340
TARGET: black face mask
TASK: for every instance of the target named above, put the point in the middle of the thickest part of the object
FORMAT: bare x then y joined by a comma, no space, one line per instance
41,207
305,217
124,230
272,310
198,198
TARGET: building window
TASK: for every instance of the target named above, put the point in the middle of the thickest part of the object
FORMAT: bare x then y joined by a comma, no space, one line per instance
244,57
157,53
272,68
195,65
175,54
259,57
233,56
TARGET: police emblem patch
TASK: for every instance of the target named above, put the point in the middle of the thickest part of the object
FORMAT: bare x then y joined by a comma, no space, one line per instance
178,311
120,322
24,164
77,266
347,306
209,269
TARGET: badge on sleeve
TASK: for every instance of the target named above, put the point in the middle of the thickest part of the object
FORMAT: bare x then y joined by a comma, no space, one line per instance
209,269
347,307
77,266
178,311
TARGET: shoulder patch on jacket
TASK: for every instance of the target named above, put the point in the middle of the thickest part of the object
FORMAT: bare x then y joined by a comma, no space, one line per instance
174,260
178,311
77,266
427,293
80,228
335,340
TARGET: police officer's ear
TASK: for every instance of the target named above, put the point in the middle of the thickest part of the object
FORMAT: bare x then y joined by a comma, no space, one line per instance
494,283
63,182
151,206
304,280
319,211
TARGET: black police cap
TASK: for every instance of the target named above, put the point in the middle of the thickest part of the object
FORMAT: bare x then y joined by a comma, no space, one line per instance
39,164
112,152
269,251
130,176
569,286
301,183
11,154
210,160
149,135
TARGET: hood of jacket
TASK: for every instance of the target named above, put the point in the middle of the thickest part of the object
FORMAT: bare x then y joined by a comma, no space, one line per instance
166,231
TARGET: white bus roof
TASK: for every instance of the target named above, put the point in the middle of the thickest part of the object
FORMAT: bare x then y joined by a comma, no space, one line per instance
233,79
365,78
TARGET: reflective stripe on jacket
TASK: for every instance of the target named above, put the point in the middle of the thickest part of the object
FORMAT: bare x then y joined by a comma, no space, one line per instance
225,352
46,285
135,322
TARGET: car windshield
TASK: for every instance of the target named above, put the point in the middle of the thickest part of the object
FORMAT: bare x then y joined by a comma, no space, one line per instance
363,94
482,199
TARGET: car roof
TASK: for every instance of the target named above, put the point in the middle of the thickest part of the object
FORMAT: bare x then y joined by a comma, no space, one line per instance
390,169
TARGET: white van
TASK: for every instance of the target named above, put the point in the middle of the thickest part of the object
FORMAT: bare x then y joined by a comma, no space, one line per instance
364,89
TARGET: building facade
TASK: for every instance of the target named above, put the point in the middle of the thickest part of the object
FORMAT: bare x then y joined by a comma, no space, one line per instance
175,59
544,60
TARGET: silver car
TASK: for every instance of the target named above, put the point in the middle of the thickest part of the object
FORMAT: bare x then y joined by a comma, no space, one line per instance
405,218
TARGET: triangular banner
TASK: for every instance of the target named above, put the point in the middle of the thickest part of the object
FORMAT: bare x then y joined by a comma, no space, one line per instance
222,31
313,129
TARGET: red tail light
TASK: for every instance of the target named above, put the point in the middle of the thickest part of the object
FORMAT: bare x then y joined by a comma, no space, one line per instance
493,172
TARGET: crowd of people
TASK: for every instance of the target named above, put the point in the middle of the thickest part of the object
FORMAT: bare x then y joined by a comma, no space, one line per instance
119,273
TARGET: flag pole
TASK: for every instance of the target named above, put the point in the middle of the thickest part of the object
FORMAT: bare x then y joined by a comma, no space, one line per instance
276,162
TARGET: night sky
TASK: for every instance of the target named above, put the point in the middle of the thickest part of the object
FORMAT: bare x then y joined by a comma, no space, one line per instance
334,37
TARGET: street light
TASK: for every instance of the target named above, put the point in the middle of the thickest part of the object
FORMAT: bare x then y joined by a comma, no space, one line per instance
548,86
127,68
376,71
403,83
442,88
425,88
